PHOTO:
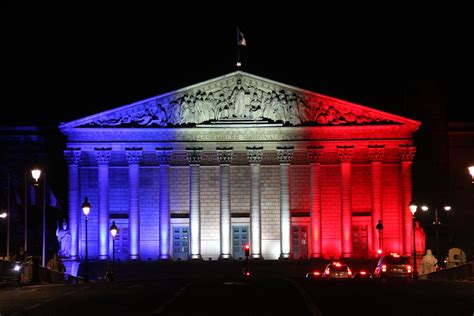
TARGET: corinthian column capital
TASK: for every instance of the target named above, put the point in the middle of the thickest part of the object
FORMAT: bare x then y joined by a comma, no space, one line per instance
406,152
164,155
103,155
315,154
254,155
224,155
285,154
345,153
134,155
72,156
376,152
194,155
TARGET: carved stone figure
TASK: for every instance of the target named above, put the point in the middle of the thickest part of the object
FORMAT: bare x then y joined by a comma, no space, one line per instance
428,263
237,97
64,239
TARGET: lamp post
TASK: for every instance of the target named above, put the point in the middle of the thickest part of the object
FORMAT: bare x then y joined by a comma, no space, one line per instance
113,231
413,209
3,216
86,208
436,224
379,227
36,174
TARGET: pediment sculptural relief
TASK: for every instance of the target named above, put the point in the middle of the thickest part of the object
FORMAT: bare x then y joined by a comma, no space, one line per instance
237,99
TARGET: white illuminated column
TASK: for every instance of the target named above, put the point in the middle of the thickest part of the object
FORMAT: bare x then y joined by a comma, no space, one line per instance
254,155
406,153
103,158
194,159
225,158
164,159
134,155
376,155
285,154
72,157
315,155
345,155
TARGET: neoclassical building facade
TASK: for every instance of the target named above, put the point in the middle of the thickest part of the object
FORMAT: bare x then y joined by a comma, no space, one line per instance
202,171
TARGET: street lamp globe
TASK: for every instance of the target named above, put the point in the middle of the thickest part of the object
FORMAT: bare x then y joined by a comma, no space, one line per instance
113,230
413,208
447,208
471,172
424,208
36,174
86,207
3,215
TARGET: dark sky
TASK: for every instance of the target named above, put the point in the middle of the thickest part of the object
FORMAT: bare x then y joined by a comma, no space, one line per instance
82,66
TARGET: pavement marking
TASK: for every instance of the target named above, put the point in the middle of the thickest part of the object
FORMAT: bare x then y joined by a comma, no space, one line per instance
173,298
27,291
312,308
33,306
234,283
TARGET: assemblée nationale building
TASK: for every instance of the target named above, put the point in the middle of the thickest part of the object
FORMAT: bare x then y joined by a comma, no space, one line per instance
201,171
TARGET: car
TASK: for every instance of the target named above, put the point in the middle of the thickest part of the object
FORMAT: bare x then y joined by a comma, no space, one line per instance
313,274
362,275
337,270
393,266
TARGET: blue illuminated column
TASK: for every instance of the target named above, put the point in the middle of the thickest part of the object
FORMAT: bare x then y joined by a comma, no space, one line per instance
73,156
285,154
225,158
164,158
315,155
254,155
134,155
194,159
103,158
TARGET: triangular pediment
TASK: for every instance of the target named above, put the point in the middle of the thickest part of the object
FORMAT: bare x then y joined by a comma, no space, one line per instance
239,96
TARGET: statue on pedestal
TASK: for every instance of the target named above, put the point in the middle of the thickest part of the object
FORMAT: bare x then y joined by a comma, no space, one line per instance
64,239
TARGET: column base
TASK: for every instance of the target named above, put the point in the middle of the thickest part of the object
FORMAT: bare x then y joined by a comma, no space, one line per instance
316,255
225,257
256,256
103,257
195,257
284,256
165,257
134,257
346,255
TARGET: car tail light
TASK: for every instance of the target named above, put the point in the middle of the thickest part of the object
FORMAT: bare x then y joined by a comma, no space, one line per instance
327,271
363,273
409,268
337,264
349,271
316,273
384,268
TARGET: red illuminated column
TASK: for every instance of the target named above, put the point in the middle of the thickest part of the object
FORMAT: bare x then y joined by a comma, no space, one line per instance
407,152
345,155
315,154
376,154
254,155
285,154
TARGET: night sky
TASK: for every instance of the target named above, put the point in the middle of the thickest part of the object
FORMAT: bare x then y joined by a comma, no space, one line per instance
69,67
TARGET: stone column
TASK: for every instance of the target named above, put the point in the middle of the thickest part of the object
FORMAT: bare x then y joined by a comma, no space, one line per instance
225,158
164,158
407,153
103,158
254,155
345,155
376,155
315,155
194,159
285,154
134,155
73,156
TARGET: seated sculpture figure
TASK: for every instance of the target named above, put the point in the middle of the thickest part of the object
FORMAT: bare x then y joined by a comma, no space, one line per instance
64,239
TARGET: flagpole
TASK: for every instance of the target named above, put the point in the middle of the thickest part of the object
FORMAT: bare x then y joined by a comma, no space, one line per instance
238,48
